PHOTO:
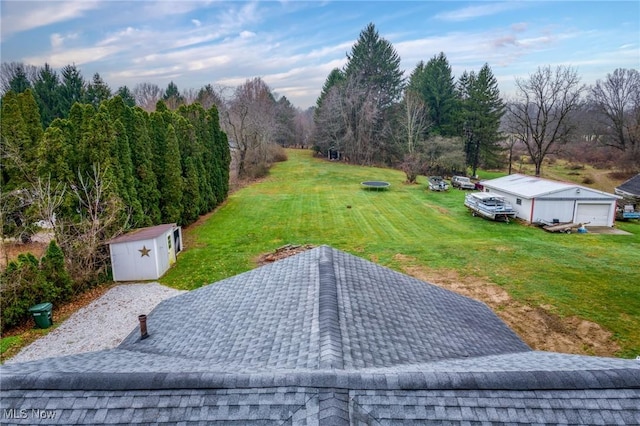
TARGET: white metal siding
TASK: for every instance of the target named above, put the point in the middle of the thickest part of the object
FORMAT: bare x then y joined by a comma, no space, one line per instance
163,254
549,210
128,264
595,214
523,210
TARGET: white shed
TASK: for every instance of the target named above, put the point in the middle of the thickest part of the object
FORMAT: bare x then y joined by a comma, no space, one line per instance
145,253
538,200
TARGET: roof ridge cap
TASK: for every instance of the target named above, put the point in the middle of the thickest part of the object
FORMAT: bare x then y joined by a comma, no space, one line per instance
331,355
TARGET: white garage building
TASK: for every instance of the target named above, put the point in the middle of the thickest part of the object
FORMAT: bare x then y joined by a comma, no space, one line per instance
145,253
538,200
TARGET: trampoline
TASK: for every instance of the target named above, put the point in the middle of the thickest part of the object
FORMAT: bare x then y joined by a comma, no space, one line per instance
375,184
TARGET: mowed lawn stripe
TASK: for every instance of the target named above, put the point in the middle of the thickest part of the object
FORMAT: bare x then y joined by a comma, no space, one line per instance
305,201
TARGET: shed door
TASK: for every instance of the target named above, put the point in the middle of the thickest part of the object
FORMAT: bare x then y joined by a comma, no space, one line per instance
594,214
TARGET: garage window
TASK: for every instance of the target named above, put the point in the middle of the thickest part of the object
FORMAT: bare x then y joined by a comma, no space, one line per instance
519,201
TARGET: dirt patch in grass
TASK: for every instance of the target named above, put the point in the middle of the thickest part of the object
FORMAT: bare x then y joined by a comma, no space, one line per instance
536,325
442,210
282,252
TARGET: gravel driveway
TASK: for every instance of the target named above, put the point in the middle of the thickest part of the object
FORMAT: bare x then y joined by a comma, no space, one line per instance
103,324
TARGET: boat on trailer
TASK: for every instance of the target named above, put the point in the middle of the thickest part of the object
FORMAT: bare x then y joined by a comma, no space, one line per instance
489,205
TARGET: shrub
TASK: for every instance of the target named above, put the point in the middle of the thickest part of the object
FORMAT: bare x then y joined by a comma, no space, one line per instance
27,281
588,180
277,153
55,272
257,171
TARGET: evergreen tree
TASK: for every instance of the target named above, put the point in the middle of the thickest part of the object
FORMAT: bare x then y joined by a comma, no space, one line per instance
97,143
14,137
171,184
172,97
191,194
127,96
335,78
19,81
97,91
55,273
285,122
220,169
33,125
83,137
124,168
374,83
47,92
54,154
72,89
482,110
201,154
374,62
147,186
435,83
208,97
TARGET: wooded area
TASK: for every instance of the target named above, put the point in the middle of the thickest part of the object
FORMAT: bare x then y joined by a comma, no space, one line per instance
433,123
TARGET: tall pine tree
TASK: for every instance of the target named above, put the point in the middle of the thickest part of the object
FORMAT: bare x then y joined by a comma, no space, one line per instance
374,83
435,82
72,88
47,92
482,110
97,91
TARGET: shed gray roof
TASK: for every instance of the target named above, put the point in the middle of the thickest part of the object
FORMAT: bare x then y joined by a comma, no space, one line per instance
140,234
325,337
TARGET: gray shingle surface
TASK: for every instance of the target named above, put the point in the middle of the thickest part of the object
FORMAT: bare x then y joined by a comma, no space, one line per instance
324,338
631,186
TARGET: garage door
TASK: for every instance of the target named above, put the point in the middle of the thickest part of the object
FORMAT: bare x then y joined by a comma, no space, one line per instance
594,214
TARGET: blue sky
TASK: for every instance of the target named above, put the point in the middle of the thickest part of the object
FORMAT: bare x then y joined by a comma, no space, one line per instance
293,45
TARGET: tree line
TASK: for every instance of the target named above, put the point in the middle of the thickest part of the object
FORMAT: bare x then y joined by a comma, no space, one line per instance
103,170
432,123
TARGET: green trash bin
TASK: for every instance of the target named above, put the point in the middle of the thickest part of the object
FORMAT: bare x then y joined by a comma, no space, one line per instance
42,314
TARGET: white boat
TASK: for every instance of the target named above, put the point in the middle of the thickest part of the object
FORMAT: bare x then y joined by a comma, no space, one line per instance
489,205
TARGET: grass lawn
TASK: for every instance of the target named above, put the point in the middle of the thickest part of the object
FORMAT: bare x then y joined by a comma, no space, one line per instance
311,201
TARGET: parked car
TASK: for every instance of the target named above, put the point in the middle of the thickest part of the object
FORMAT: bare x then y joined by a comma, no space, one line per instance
436,183
462,182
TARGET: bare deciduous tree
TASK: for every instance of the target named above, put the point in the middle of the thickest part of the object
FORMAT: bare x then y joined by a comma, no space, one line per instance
412,125
101,218
361,115
147,95
541,114
47,198
617,104
250,123
413,122
11,70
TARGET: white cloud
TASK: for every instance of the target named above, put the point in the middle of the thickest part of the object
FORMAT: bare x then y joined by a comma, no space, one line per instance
56,40
22,16
196,22
78,56
473,12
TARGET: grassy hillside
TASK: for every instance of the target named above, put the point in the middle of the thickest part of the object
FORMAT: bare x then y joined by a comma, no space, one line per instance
311,201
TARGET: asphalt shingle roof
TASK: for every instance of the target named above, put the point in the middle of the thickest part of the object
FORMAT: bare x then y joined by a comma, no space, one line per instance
324,337
631,186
